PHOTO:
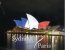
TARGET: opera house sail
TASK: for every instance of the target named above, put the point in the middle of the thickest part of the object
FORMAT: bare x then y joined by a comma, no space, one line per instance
30,23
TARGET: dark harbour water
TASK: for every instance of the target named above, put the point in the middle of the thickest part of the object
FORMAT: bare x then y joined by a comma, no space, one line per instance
34,42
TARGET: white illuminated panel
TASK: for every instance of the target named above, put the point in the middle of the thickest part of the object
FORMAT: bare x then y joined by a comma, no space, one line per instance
33,23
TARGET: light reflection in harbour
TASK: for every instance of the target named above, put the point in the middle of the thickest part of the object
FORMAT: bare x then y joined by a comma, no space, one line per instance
28,41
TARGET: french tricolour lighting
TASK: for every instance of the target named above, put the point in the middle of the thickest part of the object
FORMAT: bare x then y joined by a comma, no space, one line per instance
24,23
18,23
43,24
21,23
33,23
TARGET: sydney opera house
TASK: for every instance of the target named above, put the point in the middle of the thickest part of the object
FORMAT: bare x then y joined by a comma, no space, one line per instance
32,25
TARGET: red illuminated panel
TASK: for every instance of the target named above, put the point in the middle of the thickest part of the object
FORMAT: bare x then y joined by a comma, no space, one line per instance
43,25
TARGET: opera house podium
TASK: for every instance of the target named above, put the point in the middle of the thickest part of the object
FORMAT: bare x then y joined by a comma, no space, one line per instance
34,39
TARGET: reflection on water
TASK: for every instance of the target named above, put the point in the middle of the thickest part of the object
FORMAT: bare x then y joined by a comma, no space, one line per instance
35,42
